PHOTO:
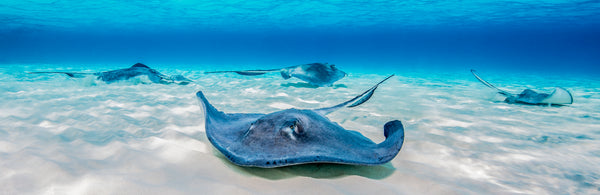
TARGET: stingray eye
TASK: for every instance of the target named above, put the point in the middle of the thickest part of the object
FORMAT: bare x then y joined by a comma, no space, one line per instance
294,126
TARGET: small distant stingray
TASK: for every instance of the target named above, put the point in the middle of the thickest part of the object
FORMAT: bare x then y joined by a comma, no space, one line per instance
559,96
137,69
294,136
317,74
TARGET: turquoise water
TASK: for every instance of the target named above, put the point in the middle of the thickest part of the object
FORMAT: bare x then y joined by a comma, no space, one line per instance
520,35
80,135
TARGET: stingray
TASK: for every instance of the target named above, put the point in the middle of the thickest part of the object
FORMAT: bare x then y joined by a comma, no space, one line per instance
317,74
559,96
297,136
137,69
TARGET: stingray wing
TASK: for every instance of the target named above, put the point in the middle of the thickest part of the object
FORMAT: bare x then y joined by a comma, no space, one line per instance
358,100
559,96
223,130
216,116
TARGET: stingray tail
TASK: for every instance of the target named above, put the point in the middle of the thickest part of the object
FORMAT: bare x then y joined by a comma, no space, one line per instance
246,72
70,74
500,91
358,100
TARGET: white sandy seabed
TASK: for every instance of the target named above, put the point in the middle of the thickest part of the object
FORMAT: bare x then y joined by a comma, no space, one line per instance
63,135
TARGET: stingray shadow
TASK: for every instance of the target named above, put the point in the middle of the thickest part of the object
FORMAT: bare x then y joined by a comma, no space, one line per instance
314,170
308,85
527,104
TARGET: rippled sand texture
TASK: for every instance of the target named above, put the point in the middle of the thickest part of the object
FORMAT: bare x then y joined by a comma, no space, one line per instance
79,136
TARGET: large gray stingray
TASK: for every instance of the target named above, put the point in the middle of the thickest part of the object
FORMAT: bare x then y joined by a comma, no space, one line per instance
559,96
294,136
137,69
317,74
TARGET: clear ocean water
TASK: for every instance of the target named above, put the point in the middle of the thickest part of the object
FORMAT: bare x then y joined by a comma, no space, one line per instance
62,135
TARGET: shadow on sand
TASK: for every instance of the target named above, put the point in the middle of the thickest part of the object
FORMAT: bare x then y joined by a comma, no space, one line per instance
315,170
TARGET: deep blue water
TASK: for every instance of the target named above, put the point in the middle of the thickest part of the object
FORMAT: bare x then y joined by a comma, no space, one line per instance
547,36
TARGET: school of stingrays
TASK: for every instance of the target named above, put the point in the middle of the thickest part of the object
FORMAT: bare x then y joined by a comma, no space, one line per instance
301,136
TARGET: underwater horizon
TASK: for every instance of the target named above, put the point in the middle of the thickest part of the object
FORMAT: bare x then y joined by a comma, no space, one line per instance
546,36
77,134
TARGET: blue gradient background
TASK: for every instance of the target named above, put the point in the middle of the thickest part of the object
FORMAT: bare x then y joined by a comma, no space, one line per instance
548,36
